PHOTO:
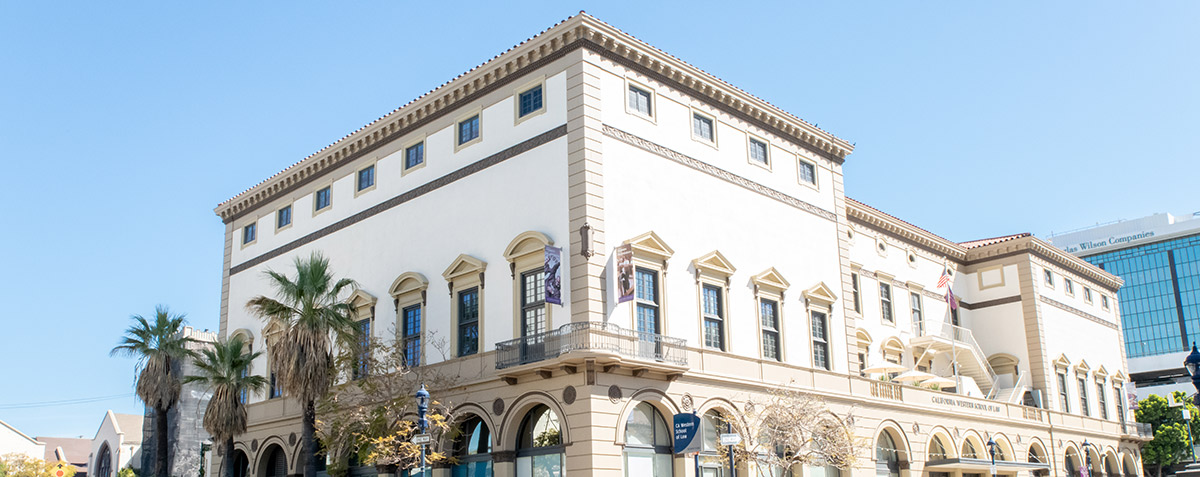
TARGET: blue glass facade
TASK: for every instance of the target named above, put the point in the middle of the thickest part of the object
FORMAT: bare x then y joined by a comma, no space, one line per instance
1160,301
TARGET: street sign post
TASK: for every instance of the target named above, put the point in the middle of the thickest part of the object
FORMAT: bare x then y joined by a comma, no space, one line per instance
731,439
421,439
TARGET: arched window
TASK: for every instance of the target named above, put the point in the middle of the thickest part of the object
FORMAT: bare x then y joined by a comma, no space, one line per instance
648,449
969,451
887,456
540,448
710,451
104,462
1072,462
275,465
937,450
241,464
1037,455
473,449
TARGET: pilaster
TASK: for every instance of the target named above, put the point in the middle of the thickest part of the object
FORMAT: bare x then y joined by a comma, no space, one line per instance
585,189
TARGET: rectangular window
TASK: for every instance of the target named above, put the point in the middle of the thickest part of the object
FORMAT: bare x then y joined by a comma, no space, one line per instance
362,362
647,301
366,178
714,318
283,217
322,198
468,322
275,390
468,130
768,312
533,303
862,364
244,393
640,101
885,302
758,151
808,173
1104,301
820,336
1102,400
1049,278
414,155
249,233
702,127
1068,286
1120,398
917,319
529,101
1064,401
954,316
411,334
1087,294
857,296
1083,397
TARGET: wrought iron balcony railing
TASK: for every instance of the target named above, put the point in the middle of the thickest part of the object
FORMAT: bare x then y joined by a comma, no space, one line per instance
591,336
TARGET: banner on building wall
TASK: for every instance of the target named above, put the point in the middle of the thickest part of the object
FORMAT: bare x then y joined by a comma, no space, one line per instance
625,280
553,274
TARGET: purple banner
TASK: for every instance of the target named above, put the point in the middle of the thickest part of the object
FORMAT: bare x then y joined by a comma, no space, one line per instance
553,272
625,280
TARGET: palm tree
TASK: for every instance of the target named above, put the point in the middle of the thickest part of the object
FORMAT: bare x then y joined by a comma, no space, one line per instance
158,346
309,309
225,368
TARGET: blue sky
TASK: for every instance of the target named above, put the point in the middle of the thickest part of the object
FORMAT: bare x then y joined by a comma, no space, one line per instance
123,125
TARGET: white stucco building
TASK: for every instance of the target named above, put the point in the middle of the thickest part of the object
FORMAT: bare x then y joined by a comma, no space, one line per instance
13,441
117,444
750,270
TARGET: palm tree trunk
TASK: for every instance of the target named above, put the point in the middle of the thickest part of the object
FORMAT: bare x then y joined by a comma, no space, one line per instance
306,443
160,442
227,461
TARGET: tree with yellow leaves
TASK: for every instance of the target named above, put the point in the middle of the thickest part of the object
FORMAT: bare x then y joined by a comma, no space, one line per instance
21,465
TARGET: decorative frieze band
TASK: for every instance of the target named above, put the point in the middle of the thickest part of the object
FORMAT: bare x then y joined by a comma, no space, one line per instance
1077,311
717,172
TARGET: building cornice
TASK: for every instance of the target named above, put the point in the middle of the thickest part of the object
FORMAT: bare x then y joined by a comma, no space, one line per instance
1049,253
579,31
874,218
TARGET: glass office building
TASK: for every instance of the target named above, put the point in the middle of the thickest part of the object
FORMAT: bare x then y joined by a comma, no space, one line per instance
1159,259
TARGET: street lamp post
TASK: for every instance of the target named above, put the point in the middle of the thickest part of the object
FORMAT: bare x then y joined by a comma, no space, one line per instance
422,410
1087,457
991,443
1190,364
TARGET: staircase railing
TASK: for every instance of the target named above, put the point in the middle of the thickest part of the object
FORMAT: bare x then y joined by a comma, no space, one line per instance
958,334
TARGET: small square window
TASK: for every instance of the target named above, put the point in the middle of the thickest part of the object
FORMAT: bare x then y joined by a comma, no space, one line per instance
283,217
702,127
468,130
1049,278
1104,301
1069,286
529,101
808,173
322,199
640,101
366,178
758,151
249,233
1087,294
414,155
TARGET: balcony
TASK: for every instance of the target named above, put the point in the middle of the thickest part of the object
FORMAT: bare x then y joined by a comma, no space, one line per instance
1139,429
604,344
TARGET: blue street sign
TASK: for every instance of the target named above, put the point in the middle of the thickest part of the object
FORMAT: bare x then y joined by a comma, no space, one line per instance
687,433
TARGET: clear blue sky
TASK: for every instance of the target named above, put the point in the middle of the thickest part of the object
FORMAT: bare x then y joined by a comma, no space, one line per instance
123,124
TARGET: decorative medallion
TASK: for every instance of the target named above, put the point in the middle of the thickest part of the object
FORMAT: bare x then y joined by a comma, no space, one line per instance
292,439
749,407
498,406
1018,438
569,395
686,402
916,428
850,420
254,445
956,435
614,393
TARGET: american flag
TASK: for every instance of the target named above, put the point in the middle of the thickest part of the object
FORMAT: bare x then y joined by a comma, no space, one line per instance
945,278
950,299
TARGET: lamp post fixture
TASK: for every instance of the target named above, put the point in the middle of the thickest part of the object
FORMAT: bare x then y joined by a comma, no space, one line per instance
422,411
991,444
1087,457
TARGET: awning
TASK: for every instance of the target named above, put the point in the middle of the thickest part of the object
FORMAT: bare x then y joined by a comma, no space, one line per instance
984,465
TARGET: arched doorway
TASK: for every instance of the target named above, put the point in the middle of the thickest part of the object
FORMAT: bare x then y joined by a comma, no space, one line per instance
648,451
1037,455
472,449
1071,462
539,444
104,461
241,464
274,463
887,455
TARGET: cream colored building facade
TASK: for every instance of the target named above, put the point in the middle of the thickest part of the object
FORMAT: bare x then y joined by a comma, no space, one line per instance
753,272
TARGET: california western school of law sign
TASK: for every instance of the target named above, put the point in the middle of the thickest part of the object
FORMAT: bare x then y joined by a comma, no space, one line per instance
978,406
